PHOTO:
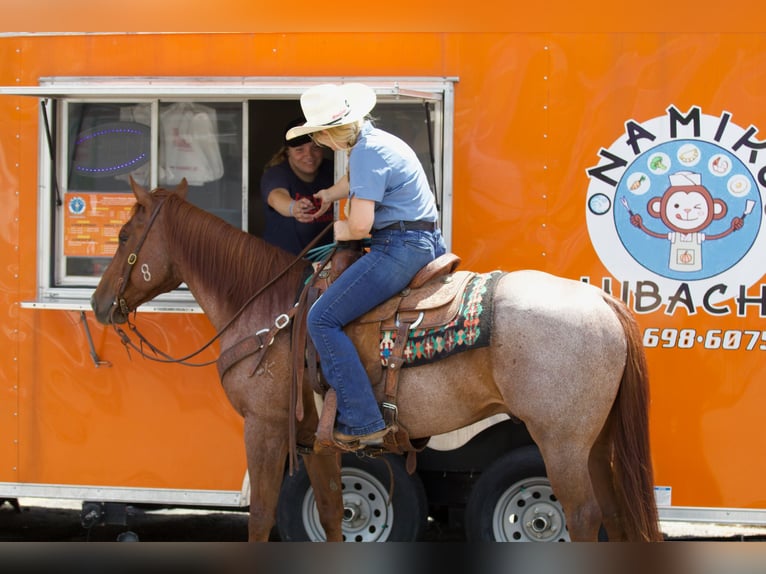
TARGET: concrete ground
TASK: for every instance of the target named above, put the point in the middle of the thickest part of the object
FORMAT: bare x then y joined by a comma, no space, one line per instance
48,520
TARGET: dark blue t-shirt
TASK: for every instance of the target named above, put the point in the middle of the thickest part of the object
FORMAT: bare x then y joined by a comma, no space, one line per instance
287,232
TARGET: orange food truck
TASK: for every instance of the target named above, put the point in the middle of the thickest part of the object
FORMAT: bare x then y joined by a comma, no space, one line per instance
616,144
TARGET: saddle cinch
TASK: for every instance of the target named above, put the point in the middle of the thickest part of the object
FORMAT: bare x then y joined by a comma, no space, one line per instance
432,299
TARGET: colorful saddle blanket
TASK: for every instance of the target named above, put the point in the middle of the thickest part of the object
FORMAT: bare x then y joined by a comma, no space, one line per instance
470,329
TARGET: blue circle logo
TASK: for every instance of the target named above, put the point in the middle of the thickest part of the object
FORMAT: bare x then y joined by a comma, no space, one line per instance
77,205
677,201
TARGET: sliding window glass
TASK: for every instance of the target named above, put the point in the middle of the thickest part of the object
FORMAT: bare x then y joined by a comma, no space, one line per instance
157,143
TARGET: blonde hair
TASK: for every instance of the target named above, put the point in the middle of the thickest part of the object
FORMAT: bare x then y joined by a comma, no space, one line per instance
345,135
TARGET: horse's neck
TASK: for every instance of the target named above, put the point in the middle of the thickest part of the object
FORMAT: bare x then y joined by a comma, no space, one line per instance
210,303
226,268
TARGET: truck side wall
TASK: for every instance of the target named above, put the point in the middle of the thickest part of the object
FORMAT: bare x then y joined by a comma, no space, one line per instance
532,111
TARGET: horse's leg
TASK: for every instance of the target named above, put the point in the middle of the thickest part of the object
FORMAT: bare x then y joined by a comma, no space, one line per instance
266,449
570,479
324,473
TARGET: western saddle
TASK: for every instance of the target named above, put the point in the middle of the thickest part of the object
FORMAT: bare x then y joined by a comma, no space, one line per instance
432,299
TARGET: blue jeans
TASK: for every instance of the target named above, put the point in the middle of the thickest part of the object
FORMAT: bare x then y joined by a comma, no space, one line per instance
393,260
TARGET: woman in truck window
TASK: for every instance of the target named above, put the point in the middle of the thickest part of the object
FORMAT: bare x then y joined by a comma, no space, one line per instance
294,217
389,199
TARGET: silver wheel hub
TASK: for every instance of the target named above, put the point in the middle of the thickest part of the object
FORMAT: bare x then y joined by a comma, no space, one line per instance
367,514
529,512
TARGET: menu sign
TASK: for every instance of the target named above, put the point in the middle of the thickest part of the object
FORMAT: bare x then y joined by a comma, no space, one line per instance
92,222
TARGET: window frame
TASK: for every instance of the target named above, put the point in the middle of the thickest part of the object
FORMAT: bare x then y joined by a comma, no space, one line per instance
156,90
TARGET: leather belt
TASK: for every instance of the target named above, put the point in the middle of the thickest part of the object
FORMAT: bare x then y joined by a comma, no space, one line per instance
411,226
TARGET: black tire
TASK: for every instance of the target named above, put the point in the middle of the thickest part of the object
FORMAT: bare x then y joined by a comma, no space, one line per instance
512,501
368,517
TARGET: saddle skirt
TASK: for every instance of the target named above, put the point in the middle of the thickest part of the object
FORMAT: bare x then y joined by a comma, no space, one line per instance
434,303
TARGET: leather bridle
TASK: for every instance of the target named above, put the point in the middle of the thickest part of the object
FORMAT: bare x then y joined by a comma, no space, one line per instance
133,257
279,323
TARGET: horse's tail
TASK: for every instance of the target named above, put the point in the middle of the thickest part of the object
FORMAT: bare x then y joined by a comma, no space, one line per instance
633,477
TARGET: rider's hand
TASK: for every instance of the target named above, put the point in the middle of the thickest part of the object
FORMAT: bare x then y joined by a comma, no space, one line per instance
324,196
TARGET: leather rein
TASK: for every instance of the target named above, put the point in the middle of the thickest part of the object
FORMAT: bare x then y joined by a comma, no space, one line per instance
280,322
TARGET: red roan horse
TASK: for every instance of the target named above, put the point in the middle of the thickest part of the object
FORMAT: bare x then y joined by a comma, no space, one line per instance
586,411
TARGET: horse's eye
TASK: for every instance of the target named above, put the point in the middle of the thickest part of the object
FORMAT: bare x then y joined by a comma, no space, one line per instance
123,237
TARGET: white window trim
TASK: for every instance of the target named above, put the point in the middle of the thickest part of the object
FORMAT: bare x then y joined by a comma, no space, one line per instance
51,296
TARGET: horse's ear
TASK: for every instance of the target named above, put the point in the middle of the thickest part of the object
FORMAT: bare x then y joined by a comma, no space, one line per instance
142,195
182,188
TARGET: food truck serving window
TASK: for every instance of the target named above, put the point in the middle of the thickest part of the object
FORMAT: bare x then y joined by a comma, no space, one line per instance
98,133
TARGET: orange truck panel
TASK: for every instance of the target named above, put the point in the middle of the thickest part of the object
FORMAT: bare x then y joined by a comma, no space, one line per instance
539,97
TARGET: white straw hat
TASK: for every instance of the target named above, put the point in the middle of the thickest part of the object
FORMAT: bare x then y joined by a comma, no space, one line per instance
329,105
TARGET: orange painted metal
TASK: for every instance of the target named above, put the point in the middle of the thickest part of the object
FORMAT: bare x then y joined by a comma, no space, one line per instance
533,107
305,16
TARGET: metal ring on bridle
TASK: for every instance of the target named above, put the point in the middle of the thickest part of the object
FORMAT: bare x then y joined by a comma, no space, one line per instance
282,321
263,332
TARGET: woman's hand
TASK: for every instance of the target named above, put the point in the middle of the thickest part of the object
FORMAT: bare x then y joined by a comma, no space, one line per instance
325,196
304,210
328,196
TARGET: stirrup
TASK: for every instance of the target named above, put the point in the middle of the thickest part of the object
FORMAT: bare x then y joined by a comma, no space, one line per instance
371,440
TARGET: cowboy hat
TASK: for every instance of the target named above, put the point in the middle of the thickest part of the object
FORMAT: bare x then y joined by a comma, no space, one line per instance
330,105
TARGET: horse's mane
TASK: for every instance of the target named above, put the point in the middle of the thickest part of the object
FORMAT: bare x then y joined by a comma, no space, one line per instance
228,261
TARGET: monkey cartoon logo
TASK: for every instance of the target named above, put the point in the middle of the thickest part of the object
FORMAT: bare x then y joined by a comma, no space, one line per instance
686,208
676,201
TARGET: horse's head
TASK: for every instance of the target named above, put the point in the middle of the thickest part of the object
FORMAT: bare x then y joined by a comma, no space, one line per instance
142,267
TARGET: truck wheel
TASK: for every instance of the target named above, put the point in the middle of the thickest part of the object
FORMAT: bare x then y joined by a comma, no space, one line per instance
512,501
368,514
